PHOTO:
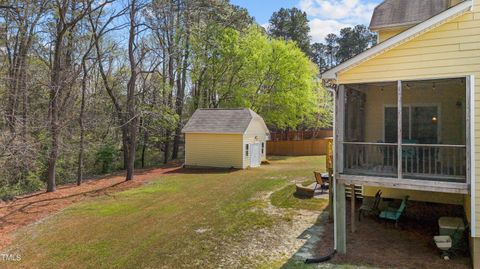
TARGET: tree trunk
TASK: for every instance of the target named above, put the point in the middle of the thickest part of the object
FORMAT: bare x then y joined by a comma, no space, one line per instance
166,149
53,109
52,160
131,111
181,94
81,123
144,148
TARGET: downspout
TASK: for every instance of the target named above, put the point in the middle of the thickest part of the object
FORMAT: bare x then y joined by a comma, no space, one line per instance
334,251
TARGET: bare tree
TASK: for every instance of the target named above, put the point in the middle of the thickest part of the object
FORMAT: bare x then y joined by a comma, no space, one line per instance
132,122
69,13
126,114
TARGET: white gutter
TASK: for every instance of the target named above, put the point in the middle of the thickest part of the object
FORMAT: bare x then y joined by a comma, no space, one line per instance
473,189
334,92
397,40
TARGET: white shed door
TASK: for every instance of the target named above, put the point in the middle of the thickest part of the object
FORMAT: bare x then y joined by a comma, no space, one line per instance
255,157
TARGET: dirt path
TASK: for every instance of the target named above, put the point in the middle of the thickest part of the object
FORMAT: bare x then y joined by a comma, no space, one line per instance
295,238
35,206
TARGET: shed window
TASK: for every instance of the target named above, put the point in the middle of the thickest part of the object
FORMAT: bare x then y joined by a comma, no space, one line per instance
263,147
246,150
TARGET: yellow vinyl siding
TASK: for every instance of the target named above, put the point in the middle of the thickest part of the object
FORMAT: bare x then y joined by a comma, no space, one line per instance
454,2
467,207
449,50
474,251
386,34
214,150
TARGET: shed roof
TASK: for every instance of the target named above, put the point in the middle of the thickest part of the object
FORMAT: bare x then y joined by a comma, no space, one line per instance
224,121
392,13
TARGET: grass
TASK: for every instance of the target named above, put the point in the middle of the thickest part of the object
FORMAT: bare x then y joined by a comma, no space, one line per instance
285,198
156,225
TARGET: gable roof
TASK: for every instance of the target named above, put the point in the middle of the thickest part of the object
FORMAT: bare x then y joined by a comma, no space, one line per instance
223,121
400,38
397,13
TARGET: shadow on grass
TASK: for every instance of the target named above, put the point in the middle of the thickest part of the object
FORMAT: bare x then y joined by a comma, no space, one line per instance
203,171
29,204
302,196
278,158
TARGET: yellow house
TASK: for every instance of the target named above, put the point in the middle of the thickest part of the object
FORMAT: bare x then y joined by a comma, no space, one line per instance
413,97
225,138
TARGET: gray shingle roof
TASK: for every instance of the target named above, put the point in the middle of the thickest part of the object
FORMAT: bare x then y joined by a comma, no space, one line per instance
391,13
225,121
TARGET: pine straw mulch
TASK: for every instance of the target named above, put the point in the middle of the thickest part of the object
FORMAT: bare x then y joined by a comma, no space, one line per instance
24,210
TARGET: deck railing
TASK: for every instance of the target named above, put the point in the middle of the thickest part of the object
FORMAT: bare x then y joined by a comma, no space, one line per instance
437,162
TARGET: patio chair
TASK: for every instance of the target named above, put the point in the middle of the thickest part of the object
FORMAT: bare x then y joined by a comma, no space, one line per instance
394,214
370,206
320,181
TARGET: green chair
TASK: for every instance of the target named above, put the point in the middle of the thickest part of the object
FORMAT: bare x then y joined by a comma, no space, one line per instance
394,214
370,206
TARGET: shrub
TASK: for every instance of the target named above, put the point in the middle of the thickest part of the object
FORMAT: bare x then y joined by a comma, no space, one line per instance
106,156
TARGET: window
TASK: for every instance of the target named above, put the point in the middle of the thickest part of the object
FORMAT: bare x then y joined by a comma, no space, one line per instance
390,124
419,124
263,147
246,150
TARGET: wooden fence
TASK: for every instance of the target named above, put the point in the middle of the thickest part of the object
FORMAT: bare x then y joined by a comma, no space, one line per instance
298,147
300,135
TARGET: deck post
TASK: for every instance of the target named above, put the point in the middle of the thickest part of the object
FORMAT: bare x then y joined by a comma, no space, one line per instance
340,231
339,129
340,220
399,129
470,150
352,208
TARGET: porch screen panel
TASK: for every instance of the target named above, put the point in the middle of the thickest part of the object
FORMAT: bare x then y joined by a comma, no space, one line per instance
391,124
364,149
425,125
435,148
355,116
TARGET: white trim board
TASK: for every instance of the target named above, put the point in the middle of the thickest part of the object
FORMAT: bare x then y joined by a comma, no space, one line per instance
400,38
406,184
473,218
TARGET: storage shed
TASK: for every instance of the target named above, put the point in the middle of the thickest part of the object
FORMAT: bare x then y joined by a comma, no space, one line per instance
225,138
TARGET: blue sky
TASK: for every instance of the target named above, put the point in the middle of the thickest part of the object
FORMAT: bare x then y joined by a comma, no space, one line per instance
326,16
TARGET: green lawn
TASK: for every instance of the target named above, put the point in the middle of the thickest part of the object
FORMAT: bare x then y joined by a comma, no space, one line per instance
284,198
182,220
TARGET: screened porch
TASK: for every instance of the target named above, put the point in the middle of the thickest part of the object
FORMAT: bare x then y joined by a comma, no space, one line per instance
429,134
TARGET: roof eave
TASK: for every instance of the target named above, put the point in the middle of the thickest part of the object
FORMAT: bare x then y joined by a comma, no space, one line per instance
455,10
395,26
